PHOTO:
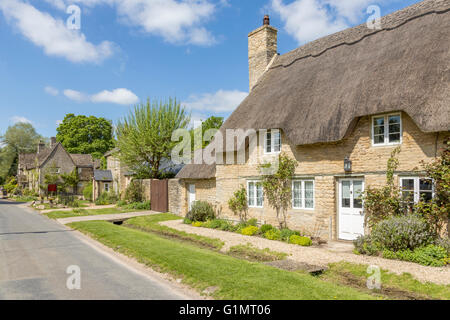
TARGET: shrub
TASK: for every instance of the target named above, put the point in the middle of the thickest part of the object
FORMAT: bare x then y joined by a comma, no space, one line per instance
213,224
403,232
106,198
201,211
187,221
134,192
226,226
249,231
253,222
238,203
87,192
444,243
365,245
121,203
197,224
430,255
287,233
139,206
273,234
302,241
265,227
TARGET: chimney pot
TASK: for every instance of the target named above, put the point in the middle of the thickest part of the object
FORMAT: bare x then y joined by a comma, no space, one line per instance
52,142
41,146
266,20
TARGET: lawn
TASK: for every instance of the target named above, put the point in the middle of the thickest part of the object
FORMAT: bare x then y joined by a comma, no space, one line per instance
202,268
87,212
392,285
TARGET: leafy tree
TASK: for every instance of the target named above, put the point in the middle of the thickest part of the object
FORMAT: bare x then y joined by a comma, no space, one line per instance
71,179
238,203
86,135
144,137
19,138
277,187
212,123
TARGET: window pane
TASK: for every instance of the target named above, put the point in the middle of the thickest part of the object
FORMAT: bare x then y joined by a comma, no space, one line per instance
378,121
378,131
259,195
394,128
408,184
277,141
394,119
346,194
251,194
309,194
394,137
268,142
426,185
357,193
378,139
297,194
426,196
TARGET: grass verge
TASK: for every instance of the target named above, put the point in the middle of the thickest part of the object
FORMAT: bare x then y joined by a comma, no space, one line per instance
86,212
202,268
151,224
392,285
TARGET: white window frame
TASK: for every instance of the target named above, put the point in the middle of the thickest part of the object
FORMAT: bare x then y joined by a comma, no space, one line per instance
255,194
416,186
303,207
386,130
272,141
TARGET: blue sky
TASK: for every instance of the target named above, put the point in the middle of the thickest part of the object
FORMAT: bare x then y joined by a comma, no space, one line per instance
127,51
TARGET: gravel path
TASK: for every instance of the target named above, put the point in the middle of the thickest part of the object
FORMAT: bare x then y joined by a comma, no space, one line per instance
318,256
106,217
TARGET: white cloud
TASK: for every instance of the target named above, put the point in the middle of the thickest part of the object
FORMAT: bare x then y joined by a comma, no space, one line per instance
75,95
51,91
307,20
52,34
58,122
118,96
220,101
176,21
18,119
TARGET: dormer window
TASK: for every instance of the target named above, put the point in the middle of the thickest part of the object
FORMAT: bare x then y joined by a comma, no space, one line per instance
387,130
272,141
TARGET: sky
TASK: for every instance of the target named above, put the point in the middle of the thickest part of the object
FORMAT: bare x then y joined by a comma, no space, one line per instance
102,57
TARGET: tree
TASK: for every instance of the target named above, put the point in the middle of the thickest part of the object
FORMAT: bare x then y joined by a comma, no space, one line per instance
238,203
212,123
86,135
19,138
277,187
144,137
71,180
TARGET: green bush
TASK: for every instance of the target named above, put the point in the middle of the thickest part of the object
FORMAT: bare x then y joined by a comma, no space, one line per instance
134,192
287,233
197,224
430,255
365,245
106,198
444,243
253,222
302,241
265,227
273,234
139,206
213,224
402,232
187,221
122,203
226,226
249,231
87,192
201,211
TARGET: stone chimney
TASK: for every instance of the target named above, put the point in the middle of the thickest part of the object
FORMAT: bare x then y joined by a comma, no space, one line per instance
52,142
262,47
41,146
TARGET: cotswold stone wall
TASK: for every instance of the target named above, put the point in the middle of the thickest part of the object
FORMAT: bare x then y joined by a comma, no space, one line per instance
325,164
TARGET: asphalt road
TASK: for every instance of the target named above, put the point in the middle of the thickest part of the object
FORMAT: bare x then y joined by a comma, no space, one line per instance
35,254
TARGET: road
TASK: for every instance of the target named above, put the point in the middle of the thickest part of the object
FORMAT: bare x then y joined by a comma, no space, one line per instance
35,254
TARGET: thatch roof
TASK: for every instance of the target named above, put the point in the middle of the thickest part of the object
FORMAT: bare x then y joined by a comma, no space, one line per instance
315,92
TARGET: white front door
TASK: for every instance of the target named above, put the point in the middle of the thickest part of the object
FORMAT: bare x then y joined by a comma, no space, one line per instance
351,214
191,195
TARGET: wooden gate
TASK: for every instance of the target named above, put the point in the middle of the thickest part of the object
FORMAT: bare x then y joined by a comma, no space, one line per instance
159,197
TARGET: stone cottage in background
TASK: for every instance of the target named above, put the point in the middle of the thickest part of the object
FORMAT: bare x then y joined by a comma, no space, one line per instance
339,106
33,167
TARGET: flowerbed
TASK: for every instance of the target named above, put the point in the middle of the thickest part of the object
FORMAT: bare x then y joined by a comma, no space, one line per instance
250,228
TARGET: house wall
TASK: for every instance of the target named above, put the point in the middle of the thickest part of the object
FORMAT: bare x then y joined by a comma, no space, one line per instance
325,164
205,190
60,159
118,170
